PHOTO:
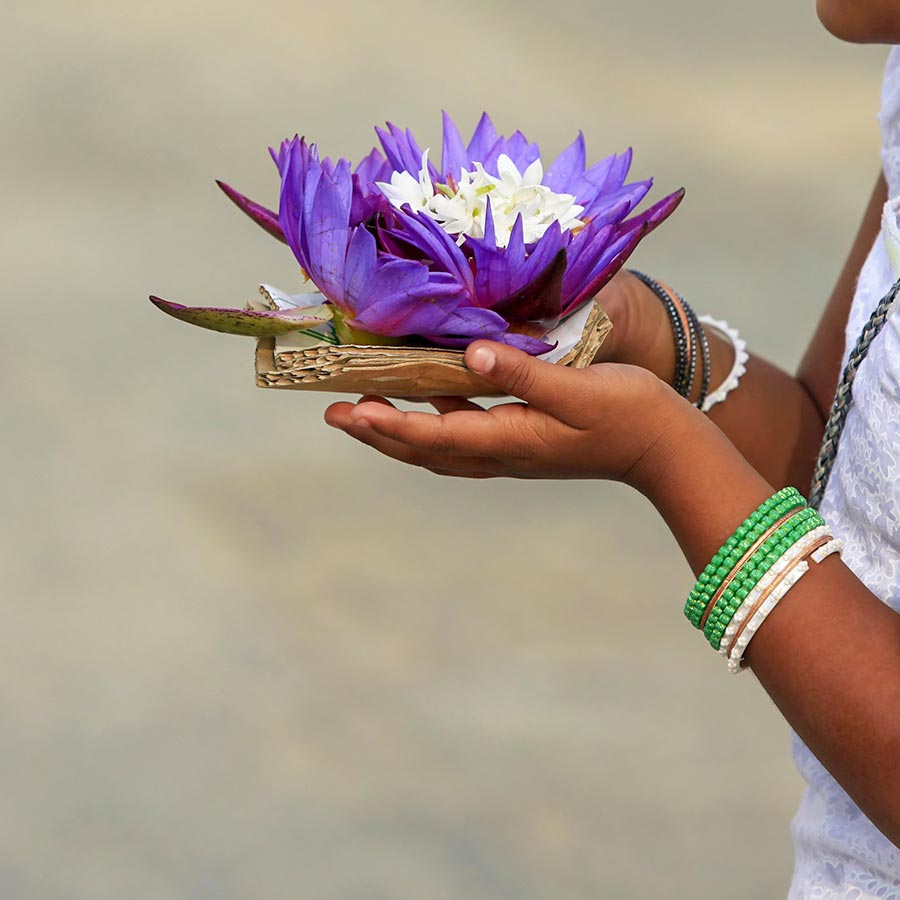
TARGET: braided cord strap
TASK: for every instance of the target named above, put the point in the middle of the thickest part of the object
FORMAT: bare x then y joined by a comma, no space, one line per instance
843,398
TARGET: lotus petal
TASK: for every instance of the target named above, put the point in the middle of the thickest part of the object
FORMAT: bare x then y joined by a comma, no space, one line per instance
454,156
327,232
263,217
399,273
483,139
567,168
614,257
541,299
656,214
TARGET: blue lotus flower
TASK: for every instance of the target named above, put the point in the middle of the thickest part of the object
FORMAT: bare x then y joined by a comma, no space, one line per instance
488,245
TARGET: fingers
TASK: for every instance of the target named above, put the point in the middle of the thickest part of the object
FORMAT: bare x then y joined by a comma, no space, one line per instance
453,404
513,434
460,467
471,433
338,414
344,416
555,389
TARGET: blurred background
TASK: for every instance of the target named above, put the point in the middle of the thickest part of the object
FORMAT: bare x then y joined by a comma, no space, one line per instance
242,656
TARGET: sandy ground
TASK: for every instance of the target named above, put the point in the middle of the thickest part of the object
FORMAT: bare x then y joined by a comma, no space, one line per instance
242,657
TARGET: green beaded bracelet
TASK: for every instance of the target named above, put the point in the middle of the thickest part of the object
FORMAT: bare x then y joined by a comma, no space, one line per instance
729,553
766,554
755,569
752,527
709,588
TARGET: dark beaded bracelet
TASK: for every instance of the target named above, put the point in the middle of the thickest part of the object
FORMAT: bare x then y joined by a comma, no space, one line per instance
703,341
682,381
691,343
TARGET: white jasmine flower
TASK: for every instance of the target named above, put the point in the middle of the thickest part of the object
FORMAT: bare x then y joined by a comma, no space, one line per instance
460,207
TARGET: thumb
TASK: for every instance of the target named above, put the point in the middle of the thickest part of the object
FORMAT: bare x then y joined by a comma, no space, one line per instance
547,386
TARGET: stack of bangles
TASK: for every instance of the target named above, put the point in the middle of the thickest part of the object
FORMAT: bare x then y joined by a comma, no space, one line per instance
767,555
692,347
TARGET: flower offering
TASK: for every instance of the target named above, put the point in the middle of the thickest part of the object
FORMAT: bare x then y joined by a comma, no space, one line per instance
405,251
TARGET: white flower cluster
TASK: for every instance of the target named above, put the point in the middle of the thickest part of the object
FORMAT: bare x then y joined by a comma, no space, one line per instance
460,208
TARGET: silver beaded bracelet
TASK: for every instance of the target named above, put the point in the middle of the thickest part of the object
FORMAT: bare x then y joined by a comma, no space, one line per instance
738,368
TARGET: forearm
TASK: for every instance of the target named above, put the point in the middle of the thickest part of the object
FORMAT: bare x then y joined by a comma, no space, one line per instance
774,422
829,654
774,419
771,418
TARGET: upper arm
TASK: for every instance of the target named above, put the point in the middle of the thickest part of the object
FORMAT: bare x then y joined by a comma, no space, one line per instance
820,368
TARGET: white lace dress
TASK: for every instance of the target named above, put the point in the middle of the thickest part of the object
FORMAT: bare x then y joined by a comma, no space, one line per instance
839,853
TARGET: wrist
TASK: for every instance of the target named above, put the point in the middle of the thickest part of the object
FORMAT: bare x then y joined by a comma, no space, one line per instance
642,335
698,481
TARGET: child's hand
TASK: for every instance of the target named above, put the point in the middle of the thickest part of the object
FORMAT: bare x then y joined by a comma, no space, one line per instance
607,421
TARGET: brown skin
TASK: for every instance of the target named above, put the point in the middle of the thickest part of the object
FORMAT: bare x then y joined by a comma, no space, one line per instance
861,21
829,656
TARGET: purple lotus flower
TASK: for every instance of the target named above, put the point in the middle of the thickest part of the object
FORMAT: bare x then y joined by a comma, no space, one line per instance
488,245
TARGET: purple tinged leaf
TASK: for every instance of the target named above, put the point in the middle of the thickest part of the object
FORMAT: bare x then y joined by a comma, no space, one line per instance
253,323
454,157
265,218
566,170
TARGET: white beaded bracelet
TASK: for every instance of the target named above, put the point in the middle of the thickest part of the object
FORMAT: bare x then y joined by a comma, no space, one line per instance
834,546
783,583
796,553
739,366
788,580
